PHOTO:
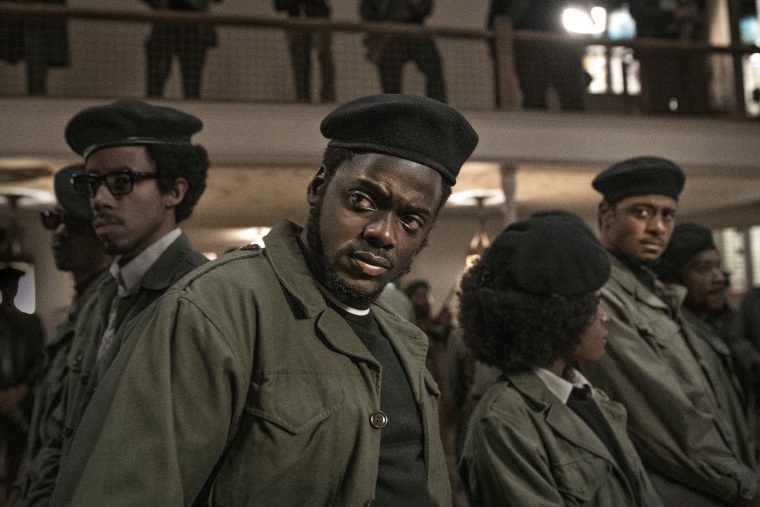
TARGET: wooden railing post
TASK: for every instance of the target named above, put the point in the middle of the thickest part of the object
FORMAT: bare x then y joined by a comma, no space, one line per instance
733,17
507,89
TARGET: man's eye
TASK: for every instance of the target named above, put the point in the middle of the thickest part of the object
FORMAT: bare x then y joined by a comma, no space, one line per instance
411,223
360,200
641,212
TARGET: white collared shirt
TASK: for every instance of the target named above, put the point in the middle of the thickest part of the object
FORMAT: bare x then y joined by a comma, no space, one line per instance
128,275
560,387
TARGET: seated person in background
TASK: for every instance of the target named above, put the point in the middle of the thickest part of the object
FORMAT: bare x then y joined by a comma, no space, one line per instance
541,435
692,260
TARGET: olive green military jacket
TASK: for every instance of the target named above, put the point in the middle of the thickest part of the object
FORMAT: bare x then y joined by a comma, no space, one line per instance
725,385
242,387
662,374
176,261
525,447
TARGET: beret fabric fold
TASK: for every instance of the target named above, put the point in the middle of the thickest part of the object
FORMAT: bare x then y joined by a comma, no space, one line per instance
414,128
640,176
128,123
687,241
549,254
72,202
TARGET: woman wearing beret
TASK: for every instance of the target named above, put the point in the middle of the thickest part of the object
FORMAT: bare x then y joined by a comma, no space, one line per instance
541,435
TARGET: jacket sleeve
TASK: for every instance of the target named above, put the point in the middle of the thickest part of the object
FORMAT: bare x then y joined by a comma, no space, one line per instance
504,463
164,414
672,420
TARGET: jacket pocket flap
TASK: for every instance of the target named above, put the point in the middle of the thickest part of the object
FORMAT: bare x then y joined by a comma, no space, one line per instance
295,400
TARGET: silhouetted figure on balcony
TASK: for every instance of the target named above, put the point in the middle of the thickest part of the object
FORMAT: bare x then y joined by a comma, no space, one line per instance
391,52
188,41
541,65
41,43
301,43
672,82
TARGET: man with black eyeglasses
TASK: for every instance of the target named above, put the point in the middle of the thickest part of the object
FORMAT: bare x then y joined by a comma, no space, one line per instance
77,250
142,176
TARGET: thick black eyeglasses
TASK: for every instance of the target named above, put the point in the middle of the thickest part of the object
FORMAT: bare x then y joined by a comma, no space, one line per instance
53,218
117,182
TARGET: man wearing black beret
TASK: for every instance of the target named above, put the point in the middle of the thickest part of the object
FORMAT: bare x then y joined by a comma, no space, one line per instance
531,307
77,250
275,376
655,365
692,260
142,177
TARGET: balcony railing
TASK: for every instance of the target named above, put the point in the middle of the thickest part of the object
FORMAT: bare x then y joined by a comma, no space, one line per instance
250,60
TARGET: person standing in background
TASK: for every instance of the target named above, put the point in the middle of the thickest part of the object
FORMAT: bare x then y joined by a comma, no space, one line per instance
391,52
541,65
188,41
672,82
77,250
301,43
40,42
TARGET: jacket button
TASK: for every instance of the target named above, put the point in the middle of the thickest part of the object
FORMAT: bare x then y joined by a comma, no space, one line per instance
67,431
378,420
369,503
85,378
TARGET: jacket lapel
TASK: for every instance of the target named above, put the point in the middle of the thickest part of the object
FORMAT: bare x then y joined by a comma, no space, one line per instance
563,421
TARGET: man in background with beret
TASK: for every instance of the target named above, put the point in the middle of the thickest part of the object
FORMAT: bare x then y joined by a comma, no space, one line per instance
142,176
692,260
78,250
654,364
275,376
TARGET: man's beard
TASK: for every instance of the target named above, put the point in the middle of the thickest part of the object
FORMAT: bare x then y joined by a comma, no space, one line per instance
326,274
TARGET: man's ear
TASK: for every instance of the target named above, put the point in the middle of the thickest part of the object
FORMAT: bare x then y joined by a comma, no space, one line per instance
316,187
606,211
175,194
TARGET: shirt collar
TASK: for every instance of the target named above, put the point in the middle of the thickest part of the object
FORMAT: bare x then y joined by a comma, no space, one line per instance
130,273
560,387
340,304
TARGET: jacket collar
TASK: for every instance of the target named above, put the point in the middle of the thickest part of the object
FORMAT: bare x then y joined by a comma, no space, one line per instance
668,298
162,273
558,416
287,259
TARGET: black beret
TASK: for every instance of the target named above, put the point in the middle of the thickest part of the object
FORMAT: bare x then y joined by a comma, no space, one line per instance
127,123
414,128
640,176
687,241
72,202
554,253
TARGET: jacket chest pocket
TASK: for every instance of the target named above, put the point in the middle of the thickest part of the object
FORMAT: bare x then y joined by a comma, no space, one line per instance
290,433
295,401
580,477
